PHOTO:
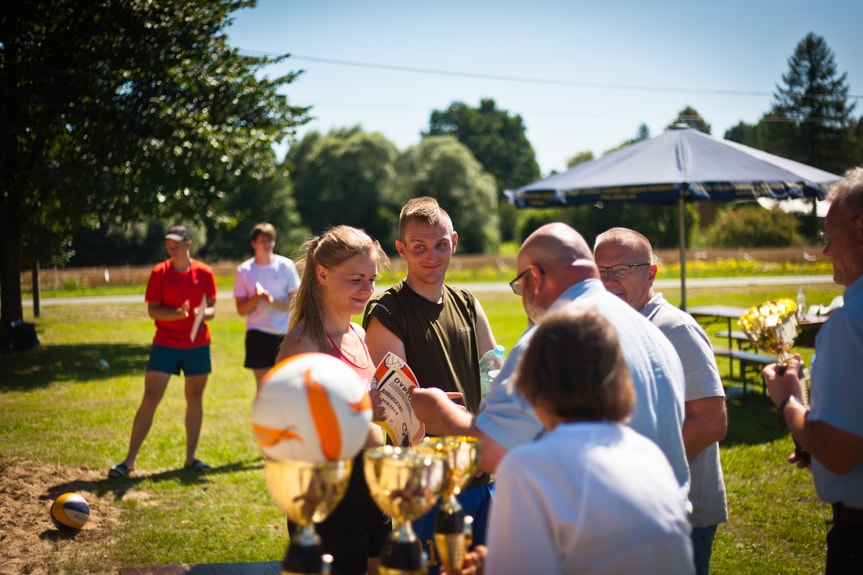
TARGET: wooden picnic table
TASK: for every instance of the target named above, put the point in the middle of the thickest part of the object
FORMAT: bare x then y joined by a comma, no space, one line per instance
808,325
751,358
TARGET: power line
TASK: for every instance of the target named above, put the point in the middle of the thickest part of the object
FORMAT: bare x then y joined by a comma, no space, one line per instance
522,79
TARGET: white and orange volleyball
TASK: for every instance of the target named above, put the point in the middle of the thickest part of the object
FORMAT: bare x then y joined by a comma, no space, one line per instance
312,407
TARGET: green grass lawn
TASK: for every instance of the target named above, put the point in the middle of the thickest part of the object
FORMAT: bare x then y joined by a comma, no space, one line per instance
57,411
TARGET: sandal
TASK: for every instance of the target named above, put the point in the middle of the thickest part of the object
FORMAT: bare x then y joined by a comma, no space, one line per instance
199,466
118,471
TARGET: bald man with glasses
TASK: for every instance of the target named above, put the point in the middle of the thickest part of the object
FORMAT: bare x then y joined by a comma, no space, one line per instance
556,268
626,265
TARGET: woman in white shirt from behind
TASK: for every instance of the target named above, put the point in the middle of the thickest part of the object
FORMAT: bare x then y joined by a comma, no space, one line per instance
591,495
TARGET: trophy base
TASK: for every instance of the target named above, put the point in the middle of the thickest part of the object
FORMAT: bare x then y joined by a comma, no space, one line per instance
403,558
449,521
304,560
452,548
449,536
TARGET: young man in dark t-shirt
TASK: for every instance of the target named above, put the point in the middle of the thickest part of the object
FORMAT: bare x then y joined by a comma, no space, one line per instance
440,331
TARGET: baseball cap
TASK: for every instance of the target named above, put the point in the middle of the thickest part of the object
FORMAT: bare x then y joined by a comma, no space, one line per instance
178,234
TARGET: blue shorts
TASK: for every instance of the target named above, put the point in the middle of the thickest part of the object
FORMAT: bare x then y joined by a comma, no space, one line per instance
193,361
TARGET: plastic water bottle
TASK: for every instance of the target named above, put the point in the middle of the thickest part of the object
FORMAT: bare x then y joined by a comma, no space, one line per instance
489,367
801,304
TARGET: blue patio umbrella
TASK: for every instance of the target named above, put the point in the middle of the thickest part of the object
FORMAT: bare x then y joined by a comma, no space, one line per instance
678,166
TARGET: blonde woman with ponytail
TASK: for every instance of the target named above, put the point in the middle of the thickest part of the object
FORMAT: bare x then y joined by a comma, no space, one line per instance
339,272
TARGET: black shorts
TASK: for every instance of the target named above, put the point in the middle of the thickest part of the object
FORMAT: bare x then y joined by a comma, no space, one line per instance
356,529
261,349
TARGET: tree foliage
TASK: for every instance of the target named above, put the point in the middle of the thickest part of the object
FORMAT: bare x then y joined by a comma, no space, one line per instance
579,158
499,142
810,119
750,225
443,168
691,118
272,201
660,223
347,177
125,111
494,137
813,99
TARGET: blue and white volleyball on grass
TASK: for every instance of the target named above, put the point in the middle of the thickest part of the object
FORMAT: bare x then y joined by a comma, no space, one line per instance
312,407
102,367
70,511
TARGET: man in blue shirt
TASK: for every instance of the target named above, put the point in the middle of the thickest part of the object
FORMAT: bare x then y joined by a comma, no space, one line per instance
832,430
556,268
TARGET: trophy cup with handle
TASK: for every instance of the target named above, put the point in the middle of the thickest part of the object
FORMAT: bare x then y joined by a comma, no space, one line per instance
404,482
452,528
306,492
772,327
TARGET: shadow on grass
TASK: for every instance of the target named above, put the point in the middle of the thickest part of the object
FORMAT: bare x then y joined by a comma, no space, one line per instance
43,365
751,419
120,486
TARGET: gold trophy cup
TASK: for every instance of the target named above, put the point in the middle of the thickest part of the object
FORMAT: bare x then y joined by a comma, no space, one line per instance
405,483
307,493
772,327
452,528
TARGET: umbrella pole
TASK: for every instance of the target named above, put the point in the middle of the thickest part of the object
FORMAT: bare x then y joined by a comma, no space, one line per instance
682,242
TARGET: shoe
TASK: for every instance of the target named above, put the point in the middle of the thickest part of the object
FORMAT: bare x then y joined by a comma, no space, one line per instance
119,470
199,466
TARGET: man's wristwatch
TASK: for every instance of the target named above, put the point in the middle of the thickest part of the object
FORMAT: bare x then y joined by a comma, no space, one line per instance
780,411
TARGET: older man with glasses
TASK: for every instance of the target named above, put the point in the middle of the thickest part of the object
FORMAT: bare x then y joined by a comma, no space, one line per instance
556,267
625,261
831,431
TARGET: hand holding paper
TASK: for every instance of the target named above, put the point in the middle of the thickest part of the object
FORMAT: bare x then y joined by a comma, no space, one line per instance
394,381
260,290
199,318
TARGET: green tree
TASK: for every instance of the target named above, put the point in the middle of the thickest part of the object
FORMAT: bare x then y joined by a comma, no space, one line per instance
643,133
270,201
347,177
579,158
693,119
815,116
750,225
660,223
813,98
746,134
443,168
132,110
494,138
499,142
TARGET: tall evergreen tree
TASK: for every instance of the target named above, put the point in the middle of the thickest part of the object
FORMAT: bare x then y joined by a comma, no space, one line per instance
813,99
812,114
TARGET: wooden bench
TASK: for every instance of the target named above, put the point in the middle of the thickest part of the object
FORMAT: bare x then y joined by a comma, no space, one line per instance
743,342
748,360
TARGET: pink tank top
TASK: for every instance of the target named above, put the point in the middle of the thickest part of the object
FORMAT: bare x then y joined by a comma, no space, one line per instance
366,373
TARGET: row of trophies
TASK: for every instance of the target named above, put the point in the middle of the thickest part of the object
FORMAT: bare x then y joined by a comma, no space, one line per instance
405,482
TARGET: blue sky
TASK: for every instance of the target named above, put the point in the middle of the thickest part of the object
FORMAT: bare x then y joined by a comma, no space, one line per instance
582,74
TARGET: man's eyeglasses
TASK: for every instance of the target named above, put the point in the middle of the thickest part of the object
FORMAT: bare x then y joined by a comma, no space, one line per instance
618,271
515,286
825,235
